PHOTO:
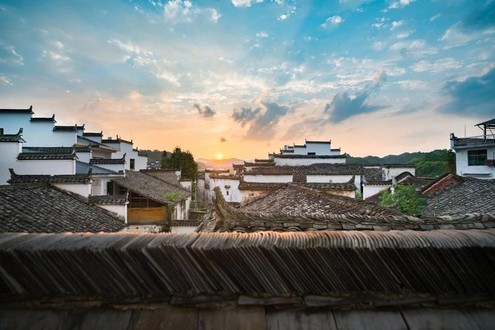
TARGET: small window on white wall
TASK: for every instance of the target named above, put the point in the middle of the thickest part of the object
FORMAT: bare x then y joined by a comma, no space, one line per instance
477,157
132,163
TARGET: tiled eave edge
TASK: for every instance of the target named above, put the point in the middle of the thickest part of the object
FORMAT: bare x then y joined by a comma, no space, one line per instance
232,219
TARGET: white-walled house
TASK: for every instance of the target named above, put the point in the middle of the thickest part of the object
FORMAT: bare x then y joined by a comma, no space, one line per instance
314,164
134,161
312,152
10,147
475,155
60,155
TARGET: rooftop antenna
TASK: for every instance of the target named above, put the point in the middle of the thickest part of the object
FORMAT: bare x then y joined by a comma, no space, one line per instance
464,130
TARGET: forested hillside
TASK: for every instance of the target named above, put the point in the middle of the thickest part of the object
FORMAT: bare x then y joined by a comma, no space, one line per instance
428,164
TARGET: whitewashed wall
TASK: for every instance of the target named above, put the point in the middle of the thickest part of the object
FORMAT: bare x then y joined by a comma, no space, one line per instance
268,178
83,190
52,167
182,230
334,179
388,173
306,161
119,210
370,190
233,196
482,172
8,159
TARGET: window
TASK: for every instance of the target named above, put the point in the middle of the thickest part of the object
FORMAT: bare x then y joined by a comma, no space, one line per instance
477,157
110,188
133,163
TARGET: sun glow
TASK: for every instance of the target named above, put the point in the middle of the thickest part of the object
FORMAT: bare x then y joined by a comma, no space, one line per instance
219,156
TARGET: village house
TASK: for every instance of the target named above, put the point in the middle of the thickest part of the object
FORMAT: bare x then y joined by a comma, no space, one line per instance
38,150
475,155
314,164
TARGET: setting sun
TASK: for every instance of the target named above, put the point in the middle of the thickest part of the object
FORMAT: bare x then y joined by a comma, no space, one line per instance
219,156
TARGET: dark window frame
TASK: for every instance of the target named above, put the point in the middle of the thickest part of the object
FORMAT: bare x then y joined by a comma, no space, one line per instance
477,157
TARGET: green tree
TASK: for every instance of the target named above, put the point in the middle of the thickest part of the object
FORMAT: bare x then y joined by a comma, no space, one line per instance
405,197
181,160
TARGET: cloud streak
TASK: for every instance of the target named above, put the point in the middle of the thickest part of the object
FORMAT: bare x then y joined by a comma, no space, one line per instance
343,106
205,111
473,96
262,120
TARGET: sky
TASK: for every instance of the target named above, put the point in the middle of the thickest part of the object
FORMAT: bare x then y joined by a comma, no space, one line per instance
245,77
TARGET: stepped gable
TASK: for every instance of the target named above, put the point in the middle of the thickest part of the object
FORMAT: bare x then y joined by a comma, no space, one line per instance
12,137
49,154
66,178
107,161
457,196
149,186
28,110
42,208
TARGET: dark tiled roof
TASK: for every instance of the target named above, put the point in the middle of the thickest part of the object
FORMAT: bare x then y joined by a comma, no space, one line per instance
284,211
49,150
28,110
109,200
107,161
45,209
12,137
462,197
59,128
165,175
295,200
93,134
149,186
372,174
309,156
260,185
47,155
116,141
347,269
76,178
347,186
314,169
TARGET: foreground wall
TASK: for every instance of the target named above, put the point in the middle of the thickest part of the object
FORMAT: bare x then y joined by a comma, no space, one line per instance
330,280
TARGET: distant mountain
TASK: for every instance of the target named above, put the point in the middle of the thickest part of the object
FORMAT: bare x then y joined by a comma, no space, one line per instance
428,164
218,164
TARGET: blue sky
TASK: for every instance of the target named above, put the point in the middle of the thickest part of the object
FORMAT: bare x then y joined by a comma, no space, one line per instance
244,77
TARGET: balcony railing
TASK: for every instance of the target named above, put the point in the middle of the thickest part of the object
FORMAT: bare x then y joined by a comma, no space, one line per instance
471,141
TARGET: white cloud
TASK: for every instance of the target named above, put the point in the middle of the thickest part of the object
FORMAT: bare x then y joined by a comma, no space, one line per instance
176,11
411,84
400,4
443,64
262,34
9,55
334,20
455,37
396,24
4,80
245,3
414,48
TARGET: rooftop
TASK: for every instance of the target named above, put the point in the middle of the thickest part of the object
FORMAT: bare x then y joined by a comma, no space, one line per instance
42,208
459,196
150,186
